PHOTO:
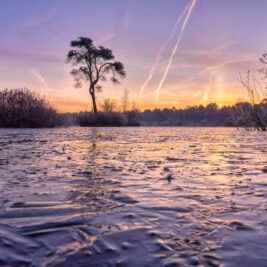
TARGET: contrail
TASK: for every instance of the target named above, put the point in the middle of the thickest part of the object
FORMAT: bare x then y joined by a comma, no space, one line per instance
38,75
161,50
205,97
192,4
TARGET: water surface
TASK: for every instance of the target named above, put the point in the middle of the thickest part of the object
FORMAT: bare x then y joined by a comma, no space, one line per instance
133,197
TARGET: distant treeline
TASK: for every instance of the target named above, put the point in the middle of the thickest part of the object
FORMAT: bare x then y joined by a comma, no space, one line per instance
240,114
210,115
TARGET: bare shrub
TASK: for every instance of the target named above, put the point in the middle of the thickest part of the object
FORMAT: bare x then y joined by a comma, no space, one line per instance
125,101
254,113
22,108
109,105
250,116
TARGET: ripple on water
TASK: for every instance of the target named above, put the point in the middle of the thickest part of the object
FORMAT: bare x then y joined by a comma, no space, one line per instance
111,197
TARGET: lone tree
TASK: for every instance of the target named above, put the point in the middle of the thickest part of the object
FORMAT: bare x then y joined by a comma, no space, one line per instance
93,65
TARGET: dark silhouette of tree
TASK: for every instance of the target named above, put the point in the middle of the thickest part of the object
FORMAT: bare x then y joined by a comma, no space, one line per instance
93,65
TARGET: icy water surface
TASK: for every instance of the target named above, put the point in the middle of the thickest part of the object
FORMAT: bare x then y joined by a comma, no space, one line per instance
133,197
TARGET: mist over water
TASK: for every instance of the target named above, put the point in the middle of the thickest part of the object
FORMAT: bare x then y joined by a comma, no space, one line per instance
133,197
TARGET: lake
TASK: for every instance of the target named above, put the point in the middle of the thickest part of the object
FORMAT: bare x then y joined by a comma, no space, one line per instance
133,197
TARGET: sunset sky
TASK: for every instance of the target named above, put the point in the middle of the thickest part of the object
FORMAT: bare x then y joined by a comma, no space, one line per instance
221,39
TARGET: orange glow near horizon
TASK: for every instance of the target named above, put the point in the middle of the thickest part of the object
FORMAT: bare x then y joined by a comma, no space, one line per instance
70,105
179,95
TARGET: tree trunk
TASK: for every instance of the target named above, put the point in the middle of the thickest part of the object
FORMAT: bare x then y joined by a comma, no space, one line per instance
92,92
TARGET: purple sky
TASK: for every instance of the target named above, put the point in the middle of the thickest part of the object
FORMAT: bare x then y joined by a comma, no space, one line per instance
221,38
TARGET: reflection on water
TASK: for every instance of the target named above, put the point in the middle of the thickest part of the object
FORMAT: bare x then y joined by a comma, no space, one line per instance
133,197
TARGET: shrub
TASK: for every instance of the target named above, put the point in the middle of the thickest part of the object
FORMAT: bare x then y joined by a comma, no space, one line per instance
22,108
101,119
250,116
133,118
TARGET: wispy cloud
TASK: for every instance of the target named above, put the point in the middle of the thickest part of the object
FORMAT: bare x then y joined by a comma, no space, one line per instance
124,21
36,73
14,33
29,57
225,45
